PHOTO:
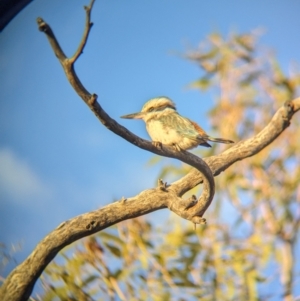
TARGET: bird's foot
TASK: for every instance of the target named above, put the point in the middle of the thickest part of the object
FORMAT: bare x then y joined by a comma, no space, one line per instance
157,144
177,147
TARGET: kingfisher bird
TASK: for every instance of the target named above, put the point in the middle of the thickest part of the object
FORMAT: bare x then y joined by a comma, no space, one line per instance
166,126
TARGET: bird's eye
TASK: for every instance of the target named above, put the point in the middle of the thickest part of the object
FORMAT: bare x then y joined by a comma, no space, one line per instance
150,109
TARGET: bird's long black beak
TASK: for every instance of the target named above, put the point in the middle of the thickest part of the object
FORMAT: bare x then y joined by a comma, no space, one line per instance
138,115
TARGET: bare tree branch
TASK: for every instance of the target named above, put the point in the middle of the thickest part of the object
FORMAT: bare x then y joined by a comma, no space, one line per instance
20,282
188,209
88,26
243,149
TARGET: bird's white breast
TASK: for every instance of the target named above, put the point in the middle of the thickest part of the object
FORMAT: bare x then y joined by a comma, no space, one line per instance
168,135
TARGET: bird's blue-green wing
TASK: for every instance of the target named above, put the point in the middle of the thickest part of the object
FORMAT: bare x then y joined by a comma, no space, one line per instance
184,126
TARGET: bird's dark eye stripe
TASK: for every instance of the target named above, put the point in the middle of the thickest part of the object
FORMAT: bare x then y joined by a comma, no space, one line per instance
161,108
165,107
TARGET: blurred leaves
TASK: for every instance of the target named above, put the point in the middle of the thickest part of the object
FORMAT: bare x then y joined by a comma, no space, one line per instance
247,250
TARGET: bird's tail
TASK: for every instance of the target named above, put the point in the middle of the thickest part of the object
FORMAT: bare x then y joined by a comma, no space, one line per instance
220,140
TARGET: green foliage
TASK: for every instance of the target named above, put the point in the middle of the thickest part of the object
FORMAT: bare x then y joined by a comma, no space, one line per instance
136,261
7,256
249,243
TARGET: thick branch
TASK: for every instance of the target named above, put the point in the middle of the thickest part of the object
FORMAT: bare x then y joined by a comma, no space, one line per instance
243,149
20,282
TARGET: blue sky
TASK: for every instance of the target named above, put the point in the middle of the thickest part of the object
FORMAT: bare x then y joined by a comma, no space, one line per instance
56,159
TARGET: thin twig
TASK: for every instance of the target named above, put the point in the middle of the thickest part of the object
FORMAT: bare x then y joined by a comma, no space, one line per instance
52,39
88,26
